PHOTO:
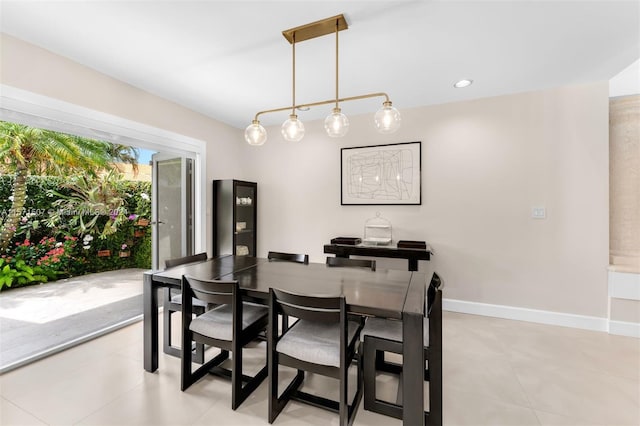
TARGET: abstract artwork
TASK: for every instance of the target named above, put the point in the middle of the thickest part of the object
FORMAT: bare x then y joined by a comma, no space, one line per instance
381,174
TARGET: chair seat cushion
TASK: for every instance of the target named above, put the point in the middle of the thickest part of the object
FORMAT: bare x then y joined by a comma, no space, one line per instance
217,323
389,329
196,302
317,343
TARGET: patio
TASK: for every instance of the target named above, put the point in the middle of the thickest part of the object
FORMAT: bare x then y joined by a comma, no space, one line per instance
40,320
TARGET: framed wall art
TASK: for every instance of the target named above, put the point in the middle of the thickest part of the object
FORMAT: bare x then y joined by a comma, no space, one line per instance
381,174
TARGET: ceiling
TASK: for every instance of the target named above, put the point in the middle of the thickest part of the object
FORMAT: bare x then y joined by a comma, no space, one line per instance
229,60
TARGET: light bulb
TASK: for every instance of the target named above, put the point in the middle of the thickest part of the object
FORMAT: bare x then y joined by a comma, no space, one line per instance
387,118
292,130
255,134
336,124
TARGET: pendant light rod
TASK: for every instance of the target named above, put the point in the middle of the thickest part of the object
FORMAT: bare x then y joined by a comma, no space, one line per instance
293,101
337,30
330,101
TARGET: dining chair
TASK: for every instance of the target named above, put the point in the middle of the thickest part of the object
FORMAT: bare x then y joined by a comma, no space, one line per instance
230,327
384,335
323,341
346,261
288,257
340,262
172,302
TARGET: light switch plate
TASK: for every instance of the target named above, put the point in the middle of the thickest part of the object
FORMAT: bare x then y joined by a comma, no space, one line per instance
538,212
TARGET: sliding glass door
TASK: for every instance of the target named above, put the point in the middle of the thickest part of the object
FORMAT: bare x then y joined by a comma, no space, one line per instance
172,208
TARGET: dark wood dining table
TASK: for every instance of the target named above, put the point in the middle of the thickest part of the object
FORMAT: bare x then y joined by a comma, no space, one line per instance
384,293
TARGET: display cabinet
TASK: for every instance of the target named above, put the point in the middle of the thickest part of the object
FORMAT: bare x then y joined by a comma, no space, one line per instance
234,217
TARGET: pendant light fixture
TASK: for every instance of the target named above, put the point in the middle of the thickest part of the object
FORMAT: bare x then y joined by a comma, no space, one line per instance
387,119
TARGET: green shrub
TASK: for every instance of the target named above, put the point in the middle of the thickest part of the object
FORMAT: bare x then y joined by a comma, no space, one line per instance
19,273
62,249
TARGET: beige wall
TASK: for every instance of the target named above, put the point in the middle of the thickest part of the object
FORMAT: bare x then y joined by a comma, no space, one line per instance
37,70
142,173
485,164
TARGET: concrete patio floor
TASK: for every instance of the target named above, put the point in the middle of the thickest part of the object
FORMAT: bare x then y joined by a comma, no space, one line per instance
40,320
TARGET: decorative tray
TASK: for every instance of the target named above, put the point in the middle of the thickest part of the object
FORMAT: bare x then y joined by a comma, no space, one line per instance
412,244
351,241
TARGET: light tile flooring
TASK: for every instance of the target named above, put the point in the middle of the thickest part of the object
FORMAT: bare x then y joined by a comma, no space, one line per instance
496,372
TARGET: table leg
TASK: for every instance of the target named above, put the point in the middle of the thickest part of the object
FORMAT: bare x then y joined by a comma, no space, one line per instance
413,377
413,264
150,323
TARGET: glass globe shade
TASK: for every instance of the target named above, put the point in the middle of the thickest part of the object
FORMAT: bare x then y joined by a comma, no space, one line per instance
387,118
292,130
336,124
255,134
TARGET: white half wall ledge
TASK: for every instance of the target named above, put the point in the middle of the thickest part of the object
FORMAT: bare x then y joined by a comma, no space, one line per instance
526,314
624,285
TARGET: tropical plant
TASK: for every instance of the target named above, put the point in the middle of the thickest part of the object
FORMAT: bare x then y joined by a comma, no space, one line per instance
91,198
125,154
27,150
143,205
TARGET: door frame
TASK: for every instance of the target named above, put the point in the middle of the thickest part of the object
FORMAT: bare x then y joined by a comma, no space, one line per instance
32,109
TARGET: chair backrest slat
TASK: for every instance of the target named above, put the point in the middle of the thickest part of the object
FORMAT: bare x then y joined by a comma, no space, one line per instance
288,257
345,261
311,308
170,263
212,291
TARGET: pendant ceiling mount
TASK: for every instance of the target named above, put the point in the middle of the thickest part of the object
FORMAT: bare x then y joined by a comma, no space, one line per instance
316,29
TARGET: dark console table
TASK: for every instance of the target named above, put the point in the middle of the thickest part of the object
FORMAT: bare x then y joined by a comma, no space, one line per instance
411,254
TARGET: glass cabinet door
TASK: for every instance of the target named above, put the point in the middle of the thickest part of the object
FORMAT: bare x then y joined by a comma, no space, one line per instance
245,219
234,217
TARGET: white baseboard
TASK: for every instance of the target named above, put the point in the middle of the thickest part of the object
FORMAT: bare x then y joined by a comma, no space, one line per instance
621,328
525,314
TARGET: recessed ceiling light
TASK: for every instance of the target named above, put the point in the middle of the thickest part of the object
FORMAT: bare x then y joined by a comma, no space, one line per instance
303,108
463,83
